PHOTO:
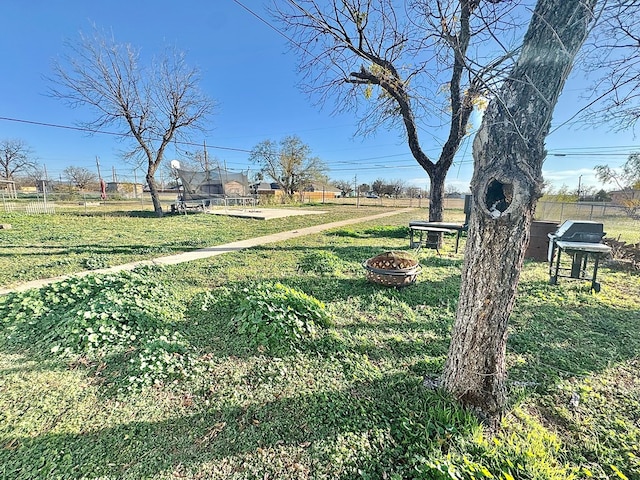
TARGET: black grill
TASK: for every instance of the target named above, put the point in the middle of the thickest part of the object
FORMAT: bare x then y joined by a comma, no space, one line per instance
581,240
579,231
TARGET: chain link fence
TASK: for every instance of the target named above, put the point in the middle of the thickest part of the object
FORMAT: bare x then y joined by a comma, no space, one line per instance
593,211
550,211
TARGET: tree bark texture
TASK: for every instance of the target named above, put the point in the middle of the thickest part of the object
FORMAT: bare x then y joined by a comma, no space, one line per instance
508,155
155,194
436,198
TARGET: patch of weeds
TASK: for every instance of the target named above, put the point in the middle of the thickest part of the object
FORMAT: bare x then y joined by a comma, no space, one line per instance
210,316
358,367
279,318
191,242
95,261
523,449
600,419
61,237
321,262
154,250
428,366
59,262
99,315
161,361
348,232
389,306
380,231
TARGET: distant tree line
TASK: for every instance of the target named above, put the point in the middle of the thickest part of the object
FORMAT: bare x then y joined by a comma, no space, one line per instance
380,187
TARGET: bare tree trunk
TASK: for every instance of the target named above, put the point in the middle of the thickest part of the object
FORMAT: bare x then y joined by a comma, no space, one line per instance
155,194
436,197
436,205
508,154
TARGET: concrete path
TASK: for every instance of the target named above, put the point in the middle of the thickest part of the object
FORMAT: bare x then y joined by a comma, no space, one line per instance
208,251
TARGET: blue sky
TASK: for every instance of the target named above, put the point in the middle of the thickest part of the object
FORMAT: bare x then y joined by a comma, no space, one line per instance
247,69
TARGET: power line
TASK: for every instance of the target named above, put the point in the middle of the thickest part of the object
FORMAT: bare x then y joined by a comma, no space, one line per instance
55,125
115,134
178,142
358,164
279,32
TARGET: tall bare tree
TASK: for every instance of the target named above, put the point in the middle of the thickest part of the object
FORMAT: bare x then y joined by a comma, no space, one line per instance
345,186
150,106
15,157
508,155
288,163
80,177
354,46
422,66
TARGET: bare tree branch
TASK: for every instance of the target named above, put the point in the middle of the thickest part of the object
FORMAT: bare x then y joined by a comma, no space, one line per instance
150,106
613,58
396,67
15,157
288,163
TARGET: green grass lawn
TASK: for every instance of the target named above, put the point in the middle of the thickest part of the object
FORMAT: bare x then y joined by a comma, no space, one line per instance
42,246
283,362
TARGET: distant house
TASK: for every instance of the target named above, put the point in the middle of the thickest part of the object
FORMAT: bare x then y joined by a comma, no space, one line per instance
124,189
320,191
266,188
623,197
314,191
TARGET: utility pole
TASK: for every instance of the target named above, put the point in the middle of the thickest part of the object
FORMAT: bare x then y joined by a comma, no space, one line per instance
44,186
103,194
355,187
98,167
579,186
206,159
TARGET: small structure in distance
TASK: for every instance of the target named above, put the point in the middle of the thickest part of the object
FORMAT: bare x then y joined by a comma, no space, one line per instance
210,187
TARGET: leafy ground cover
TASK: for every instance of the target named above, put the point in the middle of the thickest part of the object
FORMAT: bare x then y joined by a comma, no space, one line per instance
344,391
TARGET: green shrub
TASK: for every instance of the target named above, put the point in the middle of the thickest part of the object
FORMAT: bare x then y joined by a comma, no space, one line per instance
279,318
348,232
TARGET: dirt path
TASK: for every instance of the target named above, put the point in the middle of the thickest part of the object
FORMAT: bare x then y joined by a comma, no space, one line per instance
208,251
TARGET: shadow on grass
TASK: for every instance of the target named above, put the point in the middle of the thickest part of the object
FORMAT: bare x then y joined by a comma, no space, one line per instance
102,249
413,319
32,361
558,341
400,417
384,231
122,213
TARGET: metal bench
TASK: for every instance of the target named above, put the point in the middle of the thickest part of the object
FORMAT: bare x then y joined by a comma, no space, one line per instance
417,229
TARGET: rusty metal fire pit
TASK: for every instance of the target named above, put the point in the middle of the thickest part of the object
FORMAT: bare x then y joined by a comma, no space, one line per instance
392,269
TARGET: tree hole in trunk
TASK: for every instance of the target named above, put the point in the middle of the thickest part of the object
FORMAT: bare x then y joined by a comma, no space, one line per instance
499,197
